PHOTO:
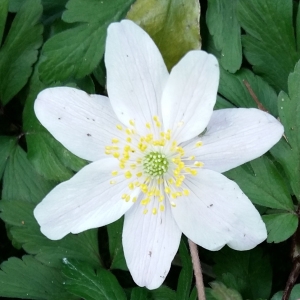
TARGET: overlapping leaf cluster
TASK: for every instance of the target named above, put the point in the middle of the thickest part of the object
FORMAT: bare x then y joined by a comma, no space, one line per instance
48,43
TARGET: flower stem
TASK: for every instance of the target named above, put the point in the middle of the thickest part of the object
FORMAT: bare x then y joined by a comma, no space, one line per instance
197,270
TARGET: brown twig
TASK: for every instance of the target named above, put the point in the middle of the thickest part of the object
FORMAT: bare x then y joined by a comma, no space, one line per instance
253,95
295,272
197,270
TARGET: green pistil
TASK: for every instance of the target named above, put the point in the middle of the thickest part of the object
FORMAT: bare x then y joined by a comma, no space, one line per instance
155,164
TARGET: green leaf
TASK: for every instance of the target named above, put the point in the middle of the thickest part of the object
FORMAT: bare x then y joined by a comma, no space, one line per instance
19,51
117,257
221,103
7,145
25,230
89,284
221,292
76,52
29,279
186,274
269,44
250,274
140,294
20,180
286,152
280,226
233,88
3,16
172,24
224,27
48,156
163,293
294,294
263,184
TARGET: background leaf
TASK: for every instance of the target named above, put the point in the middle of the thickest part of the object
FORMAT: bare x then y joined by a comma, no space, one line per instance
263,184
3,15
280,226
250,274
286,152
76,52
172,24
225,29
91,284
221,292
186,274
25,230
19,51
29,279
232,87
114,231
269,44
294,294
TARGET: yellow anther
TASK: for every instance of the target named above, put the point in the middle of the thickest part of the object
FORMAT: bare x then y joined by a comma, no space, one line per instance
115,141
131,122
124,196
167,190
108,147
162,134
139,174
114,173
128,131
107,152
128,174
133,166
198,144
127,148
127,199
194,172
112,182
145,211
158,124
192,157
137,183
155,118
161,207
145,201
198,164
121,165
134,199
154,211
186,192
173,204
174,195
119,127
131,185
128,140
148,125
161,198
171,180
116,154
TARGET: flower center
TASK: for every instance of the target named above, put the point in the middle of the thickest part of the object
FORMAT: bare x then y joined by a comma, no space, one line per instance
153,164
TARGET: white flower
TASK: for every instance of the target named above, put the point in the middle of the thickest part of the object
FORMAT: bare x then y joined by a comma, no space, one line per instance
148,160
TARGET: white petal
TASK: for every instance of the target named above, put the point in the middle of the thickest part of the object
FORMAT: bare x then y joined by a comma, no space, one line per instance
217,212
235,136
83,123
136,73
190,95
150,243
87,200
